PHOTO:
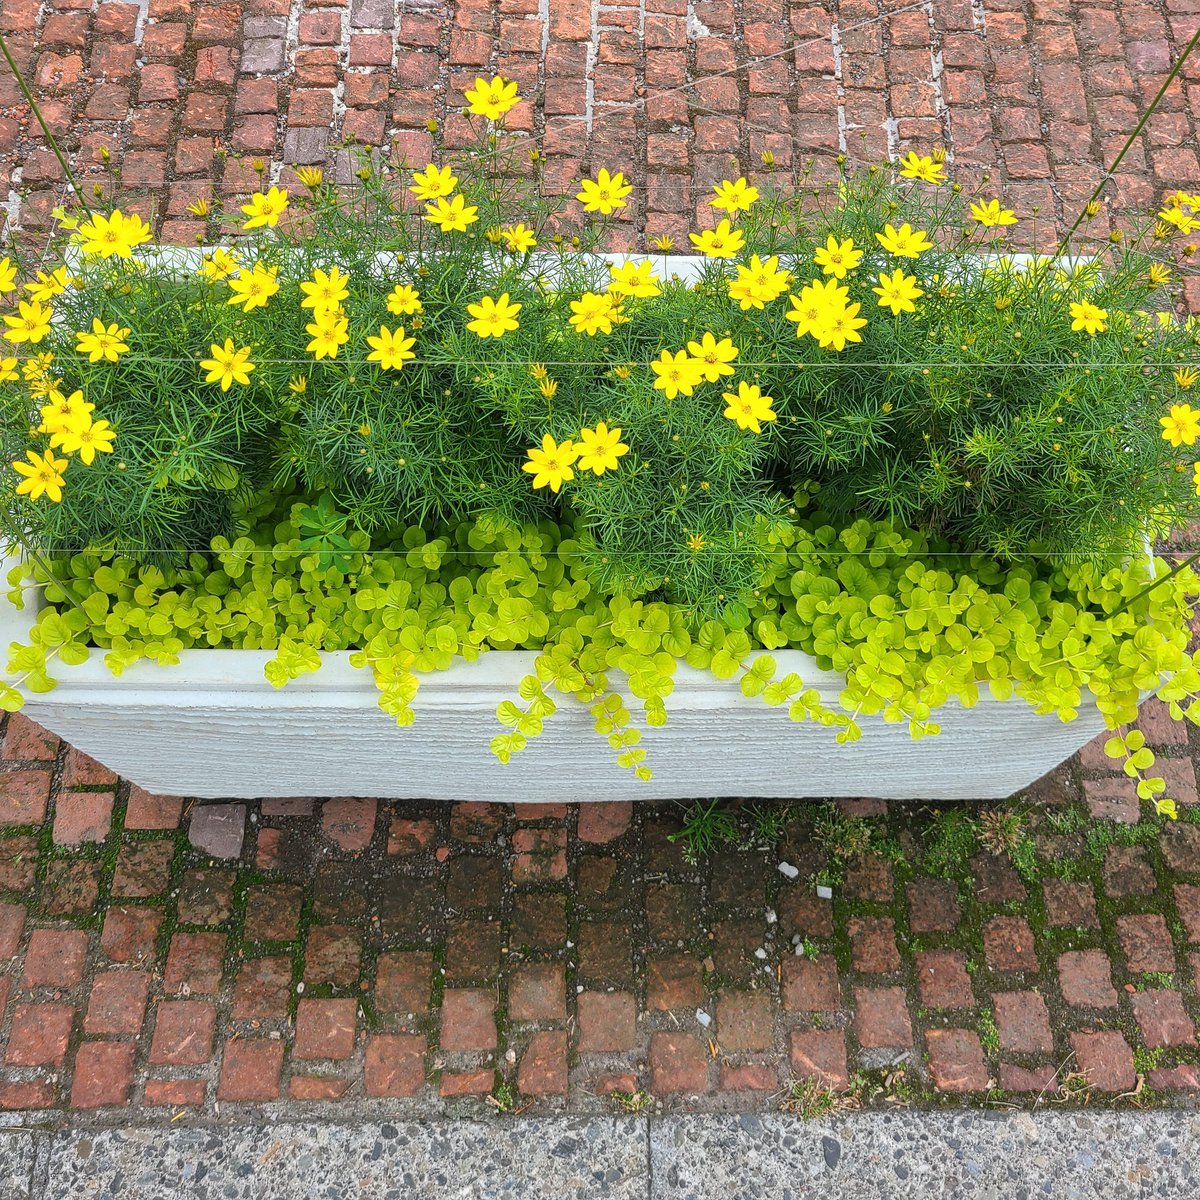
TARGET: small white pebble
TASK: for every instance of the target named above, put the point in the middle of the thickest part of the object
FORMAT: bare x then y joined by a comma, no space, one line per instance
760,953
510,1056
823,892
771,917
703,1018
799,949
579,989
796,939
299,987
788,870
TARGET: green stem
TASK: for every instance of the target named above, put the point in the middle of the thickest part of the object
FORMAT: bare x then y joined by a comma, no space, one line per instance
1182,565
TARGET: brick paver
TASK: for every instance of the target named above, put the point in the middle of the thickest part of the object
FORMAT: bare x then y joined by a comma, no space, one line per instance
431,953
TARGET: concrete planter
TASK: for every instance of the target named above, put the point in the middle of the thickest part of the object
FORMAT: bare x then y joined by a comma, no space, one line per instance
213,727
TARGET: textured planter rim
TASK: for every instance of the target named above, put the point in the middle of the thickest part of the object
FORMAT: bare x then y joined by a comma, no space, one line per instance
213,727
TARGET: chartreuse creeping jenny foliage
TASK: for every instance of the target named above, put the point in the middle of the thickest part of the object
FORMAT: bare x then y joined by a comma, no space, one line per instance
414,420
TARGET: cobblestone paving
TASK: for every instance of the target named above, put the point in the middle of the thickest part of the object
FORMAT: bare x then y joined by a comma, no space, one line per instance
337,954
183,95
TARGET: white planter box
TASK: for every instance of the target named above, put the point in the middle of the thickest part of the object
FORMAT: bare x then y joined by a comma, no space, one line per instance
213,727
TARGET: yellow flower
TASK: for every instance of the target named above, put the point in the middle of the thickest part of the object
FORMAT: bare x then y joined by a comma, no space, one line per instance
839,326
748,406
897,291
758,283
836,258
8,276
298,383
107,343
592,313
116,235
310,177
36,371
31,325
46,287
733,197
600,448
1087,316
493,318
491,100
391,350
65,412
330,331
714,357
42,476
85,441
1165,807
550,465
1182,427
904,242
8,370
548,388
1185,377
433,183
538,371
199,208
265,208
404,300
218,265
633,279
518,239
677,373
227,365
324,291
914,166
254,288
989,213
1182,221
605,194
663,242
1159,274
722,242
696,543
815,300
453,215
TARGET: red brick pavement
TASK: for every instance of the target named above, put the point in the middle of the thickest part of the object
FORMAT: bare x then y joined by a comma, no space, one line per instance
173,100
348,952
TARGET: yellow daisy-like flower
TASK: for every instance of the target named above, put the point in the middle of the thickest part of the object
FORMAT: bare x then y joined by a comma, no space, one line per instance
391,349
897,291
8,276
989,213
329,332
1159,275
265,208
663,242
923,167
8,370
116,235
598,449
733,196
310,177
42,476
904,242
713,356
46,287
65,412
199,208
633,279
252,289
548,388
722,242
518,238
677,373
1186,377
86,441
696,542
1182,426
404,300
36,372
836,258
107,342
325,290
220,264
227,365
592,313
550,464
1196,477
492,100
815,300
1088,317
1181,220
493,317
758,283
839,326
298,384
748,407
31,323
433,183
605,194
451,215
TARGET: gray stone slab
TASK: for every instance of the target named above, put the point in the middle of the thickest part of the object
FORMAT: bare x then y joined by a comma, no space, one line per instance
218,829
931,1155
604,1158
17,1158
